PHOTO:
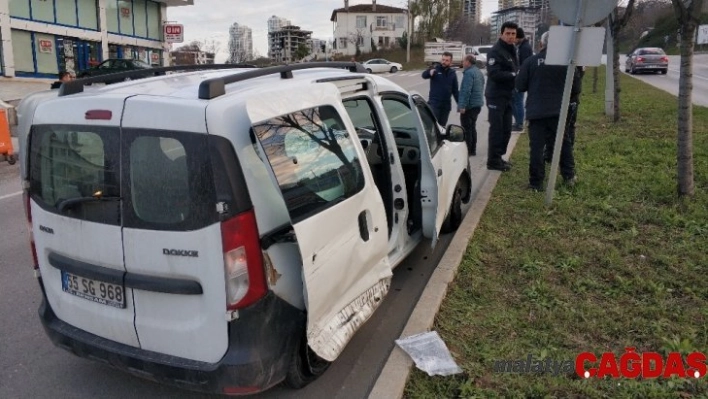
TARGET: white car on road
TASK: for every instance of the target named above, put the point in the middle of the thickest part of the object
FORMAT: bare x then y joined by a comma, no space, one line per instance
379,65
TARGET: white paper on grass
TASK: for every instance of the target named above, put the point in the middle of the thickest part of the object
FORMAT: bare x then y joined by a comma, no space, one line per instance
429,353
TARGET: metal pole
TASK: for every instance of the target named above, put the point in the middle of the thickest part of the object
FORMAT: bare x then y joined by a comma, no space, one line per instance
570,74
408,41
609,73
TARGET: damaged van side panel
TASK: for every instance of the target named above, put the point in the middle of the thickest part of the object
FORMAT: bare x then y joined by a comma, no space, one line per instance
334,206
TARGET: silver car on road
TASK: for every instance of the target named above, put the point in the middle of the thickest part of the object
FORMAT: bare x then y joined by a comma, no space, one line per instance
647,59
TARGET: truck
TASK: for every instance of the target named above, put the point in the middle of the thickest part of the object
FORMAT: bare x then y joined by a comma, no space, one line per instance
435,49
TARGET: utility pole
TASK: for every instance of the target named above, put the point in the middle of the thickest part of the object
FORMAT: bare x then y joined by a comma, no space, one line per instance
408,39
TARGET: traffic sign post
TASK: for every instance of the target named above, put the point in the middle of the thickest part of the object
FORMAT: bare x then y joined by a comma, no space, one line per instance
173,33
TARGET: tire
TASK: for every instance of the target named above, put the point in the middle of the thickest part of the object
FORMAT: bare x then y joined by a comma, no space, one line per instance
11,159
394,69
305,366
633,71
454,214
664,71
368,70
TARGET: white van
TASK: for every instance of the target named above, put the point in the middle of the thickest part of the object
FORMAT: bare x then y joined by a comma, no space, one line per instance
226,230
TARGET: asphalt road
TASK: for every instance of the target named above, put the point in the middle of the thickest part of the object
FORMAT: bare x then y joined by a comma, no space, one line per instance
670,81
31,367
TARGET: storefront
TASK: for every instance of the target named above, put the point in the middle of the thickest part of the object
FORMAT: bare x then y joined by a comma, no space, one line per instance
48,36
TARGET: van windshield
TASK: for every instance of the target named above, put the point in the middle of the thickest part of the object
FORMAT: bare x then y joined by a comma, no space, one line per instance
136,177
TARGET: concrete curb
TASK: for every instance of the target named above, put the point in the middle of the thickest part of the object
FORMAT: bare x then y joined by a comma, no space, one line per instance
392,380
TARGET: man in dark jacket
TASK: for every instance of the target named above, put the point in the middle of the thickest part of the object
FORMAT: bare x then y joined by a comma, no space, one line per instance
545,85
501,73
443,84
523,51
64,76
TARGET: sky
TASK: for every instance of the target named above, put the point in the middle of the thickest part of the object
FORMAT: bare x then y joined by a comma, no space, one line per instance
209,20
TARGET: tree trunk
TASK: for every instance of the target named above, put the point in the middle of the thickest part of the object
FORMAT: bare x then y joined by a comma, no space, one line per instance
616,74
685,111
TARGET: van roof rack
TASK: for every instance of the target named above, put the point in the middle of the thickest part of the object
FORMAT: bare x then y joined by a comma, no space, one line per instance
77,86
215,87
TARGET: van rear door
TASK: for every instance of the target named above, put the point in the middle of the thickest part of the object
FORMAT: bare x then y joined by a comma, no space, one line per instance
73,173
334,206
172,235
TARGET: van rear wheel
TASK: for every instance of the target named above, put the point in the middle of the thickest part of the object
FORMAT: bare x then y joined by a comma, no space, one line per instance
305,366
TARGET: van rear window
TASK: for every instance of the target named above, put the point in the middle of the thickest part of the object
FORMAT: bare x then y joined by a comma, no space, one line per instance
74,171
138,178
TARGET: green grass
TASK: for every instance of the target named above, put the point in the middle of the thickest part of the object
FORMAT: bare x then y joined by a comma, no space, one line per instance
617,261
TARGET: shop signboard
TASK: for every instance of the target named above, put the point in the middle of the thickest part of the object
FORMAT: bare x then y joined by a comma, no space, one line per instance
125,12
45,46
155,58
174,33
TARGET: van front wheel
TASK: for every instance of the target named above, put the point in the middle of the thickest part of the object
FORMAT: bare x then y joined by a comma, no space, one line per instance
305,366
454,214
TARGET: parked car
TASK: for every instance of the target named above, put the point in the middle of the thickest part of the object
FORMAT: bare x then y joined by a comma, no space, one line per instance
378,65
113,65
226,230
647,59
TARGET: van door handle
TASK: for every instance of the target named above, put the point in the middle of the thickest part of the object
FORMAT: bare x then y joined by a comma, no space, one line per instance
363,226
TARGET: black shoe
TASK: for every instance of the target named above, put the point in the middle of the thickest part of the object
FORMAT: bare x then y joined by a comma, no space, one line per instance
473,153
535,188
507,163
501,167
517,128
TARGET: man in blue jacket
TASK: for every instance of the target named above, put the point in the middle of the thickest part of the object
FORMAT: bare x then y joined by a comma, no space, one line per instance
471,101
545,85
443,84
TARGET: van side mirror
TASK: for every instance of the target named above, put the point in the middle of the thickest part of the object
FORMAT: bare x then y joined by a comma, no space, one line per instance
455,133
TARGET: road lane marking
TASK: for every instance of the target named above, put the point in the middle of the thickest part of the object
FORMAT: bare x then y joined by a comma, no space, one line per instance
2,197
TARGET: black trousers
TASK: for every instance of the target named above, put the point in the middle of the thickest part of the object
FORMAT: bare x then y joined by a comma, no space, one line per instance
469,123
500,114
542,135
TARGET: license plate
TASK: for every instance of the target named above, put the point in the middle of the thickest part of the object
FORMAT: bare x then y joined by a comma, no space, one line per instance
93,290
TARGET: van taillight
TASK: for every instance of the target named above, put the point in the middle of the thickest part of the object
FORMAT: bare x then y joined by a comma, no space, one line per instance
243,261
28,214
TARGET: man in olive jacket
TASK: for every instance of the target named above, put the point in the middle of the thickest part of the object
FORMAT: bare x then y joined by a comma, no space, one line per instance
501,73
471,101
545,85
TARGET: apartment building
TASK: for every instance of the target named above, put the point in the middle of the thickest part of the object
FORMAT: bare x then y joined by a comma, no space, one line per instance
472,10
528,18
240,43
283,43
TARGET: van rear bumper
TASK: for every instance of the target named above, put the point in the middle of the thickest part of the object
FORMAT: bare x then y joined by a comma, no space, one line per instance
261,345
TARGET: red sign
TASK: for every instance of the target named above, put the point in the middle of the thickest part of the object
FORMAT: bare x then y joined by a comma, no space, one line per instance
45,46
125,12
155,58
174,33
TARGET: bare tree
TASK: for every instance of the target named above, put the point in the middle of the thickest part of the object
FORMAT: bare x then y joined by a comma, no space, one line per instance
617,21
238,56
687,13
357,39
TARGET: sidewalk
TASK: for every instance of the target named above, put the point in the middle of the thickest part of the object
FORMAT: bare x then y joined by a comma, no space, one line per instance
12,90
